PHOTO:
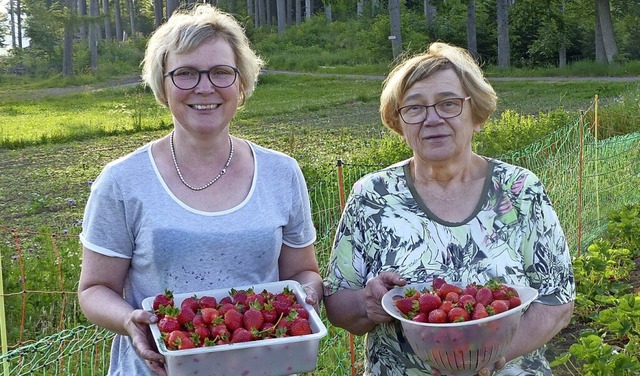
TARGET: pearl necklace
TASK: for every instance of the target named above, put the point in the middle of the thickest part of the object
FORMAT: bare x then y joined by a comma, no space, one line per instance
222,172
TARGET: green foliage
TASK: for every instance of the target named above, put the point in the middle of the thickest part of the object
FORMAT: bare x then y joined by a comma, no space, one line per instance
513,131
624,228
605,305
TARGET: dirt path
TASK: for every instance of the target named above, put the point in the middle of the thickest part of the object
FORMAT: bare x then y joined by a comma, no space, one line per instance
136,80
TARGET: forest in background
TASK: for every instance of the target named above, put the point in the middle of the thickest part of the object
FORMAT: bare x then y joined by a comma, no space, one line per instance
80,37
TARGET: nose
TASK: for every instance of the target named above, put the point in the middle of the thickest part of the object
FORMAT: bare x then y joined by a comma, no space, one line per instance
205,84
431,116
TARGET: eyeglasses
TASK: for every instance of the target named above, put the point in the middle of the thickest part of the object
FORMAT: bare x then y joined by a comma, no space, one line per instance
220,76
446,109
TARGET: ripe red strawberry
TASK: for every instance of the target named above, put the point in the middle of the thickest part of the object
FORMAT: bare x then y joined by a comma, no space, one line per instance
500,306
471,289
300,327
286,295
438,282
268,329
421,317
225,300
446,306
191,302
302,312
209,314
169,322
238,296
226,307
198,321
269,313
437,316
500,294
514,301
219,331
253,319
186,343
458,314
186,316
484,296
200,333
479,312
452,296
447,288
208,302
283,307
233,319
241,335
407,306
165,299
428,302
174,339
467,302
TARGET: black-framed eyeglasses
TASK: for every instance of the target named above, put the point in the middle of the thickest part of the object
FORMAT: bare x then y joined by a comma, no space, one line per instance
220,76
446,109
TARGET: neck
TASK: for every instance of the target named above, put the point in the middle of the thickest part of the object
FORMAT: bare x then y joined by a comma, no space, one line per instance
444,174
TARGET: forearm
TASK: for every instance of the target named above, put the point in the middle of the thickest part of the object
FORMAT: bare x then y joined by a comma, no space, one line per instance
539,325
105,308
346,309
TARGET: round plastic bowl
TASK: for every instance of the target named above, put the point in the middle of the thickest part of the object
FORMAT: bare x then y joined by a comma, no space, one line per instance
460,348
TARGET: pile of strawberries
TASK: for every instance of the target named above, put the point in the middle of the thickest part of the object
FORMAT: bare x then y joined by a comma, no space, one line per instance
448,303
242,316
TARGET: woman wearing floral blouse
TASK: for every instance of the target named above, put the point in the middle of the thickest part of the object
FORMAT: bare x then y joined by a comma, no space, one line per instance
446,212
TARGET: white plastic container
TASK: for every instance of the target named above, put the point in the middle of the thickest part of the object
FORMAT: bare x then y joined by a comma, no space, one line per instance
462,348
276,356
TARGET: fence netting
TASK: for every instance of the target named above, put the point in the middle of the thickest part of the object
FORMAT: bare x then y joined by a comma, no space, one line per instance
587,172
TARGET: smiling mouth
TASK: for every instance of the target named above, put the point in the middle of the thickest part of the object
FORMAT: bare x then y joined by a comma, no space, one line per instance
204,106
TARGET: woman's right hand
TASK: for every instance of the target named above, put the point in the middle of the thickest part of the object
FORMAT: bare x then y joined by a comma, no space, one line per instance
137,326
374,291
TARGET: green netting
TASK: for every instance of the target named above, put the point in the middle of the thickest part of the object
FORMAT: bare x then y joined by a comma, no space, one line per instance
585,177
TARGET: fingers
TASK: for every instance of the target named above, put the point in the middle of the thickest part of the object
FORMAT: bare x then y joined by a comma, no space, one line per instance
156,367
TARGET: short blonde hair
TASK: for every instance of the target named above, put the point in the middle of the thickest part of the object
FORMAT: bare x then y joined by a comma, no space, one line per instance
439,56
185,31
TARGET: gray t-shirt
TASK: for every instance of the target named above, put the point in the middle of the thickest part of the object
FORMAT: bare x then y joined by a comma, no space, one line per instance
132,214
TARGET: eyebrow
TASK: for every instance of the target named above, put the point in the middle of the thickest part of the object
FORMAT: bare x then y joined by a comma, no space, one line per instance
439,96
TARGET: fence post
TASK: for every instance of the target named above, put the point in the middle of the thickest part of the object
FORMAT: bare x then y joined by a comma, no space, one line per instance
580,182
596,161
3,324
352,350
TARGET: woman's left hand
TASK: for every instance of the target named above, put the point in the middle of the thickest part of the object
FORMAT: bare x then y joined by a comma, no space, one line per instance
137,327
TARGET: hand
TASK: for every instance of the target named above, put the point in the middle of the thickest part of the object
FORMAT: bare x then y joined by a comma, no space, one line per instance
311,296
483,372
137,326
375,290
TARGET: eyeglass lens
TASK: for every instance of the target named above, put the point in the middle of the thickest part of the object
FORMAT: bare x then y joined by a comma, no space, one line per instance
186,78
446,109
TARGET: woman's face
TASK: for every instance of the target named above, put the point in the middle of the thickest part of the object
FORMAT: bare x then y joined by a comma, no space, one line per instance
205,108
437,139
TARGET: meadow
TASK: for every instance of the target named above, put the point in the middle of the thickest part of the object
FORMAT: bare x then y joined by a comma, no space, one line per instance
52,147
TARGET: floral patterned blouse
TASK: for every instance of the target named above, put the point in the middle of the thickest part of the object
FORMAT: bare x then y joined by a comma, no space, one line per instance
513,234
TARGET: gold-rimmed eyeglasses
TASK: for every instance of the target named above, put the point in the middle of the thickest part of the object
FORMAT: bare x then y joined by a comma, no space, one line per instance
446,109
220,76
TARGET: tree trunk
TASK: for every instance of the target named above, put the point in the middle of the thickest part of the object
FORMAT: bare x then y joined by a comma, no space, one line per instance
13,25
262,13
504,50
118,18
172,5
603,16
359,7
562,56
250,12
472,38
19,18
298,12
157,13
281,14
289,11
67,53
132,16
430,15
108,34
308,11
94,31
327,13
396,35
82,12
